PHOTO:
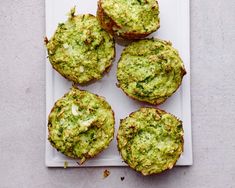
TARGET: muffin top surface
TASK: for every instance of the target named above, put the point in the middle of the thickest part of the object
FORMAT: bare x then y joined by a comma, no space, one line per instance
150,140
80,49
150,70
81,124
133,16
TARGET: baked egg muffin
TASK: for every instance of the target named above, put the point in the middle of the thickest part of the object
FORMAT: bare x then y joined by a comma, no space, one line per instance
150,140
80,50
150,70
81,125
132,19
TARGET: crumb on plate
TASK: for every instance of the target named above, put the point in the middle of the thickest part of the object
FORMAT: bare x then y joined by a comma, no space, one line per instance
106,173
65,164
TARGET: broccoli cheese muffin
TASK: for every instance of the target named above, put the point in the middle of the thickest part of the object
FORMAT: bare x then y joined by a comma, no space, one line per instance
150,70
80,50
81,125
132,19
150,140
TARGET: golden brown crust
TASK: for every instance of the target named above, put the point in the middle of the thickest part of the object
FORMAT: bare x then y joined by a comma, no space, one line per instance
101,17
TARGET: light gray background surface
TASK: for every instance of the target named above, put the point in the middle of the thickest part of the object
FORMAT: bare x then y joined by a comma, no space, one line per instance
22,109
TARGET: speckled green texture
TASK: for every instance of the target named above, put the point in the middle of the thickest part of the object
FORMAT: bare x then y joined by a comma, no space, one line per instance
80,49
132,16
150,70
150,140
81,124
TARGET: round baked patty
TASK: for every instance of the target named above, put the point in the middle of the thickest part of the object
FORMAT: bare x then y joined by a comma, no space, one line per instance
150,70
132,19
150,140
80,50
81,124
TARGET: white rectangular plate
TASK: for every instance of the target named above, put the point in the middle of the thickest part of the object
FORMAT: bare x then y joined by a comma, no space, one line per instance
174,27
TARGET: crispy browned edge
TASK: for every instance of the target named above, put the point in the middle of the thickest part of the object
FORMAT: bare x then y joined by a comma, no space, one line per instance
154,102
86,156
107,69
109,26
157,111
